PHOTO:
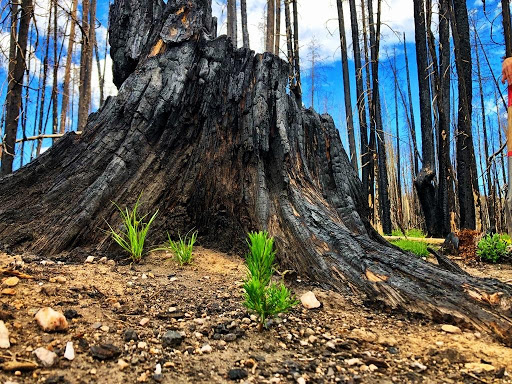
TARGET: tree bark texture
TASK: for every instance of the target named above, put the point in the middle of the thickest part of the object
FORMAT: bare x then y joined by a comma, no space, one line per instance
210,136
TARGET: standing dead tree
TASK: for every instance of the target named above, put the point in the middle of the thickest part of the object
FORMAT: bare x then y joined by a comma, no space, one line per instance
361,105
245,28
211,136
67,68
15,86
232,22
466,162
346,85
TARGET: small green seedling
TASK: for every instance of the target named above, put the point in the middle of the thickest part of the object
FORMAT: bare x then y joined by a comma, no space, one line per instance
134,231
263,297
182,249
492,248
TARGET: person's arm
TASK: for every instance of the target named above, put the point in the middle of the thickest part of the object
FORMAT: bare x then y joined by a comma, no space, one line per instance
506,72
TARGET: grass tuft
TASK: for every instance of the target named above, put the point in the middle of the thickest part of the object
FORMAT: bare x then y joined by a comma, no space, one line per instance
134,231
413,232
419,248
182,248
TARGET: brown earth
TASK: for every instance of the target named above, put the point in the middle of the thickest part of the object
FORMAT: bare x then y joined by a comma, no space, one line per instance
343,341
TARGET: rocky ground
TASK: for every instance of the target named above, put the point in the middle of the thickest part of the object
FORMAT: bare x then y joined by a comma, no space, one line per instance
156,322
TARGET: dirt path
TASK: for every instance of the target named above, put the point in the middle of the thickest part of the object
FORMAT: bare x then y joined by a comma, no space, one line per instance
343,341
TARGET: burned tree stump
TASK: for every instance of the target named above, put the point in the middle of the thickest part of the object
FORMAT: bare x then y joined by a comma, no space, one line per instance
211,136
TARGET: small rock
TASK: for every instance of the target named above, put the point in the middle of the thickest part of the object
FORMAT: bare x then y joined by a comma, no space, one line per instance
142,345
51,320
130,334
158,377
103,260
354,361
172,339
45,357
105,351
417,365
479,367
237,374
229,337
362,335
144,321
206,348
60,279
69,353
310,301
11,281
388,341
105,328
301,380
4,336
56,379
8,291
93,371
71,314
96,326
246,320
330,345
451,328
122,364
90,259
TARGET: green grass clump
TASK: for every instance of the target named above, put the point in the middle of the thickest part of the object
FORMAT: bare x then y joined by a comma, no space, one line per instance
419,248
409,233
134,231
263,297
182,248
505,237
492,248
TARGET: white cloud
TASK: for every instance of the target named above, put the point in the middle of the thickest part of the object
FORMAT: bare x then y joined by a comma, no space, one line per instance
319,19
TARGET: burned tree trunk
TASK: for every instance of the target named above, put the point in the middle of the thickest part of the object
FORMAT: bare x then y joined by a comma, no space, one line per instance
346,86
210,136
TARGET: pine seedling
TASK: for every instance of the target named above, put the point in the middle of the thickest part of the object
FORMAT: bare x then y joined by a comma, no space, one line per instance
134,231
263,297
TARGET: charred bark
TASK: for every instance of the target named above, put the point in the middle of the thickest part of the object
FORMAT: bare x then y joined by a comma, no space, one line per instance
211,137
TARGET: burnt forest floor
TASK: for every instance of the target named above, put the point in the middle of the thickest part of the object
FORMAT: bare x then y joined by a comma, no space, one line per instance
343,341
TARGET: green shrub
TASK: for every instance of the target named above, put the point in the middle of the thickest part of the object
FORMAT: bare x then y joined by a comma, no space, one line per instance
419,248
134,231
492,248
183,248
263,297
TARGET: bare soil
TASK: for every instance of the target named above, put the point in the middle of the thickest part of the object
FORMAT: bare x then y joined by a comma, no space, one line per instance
343,341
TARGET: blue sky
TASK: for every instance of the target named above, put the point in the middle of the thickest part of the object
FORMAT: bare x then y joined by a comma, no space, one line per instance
317,21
